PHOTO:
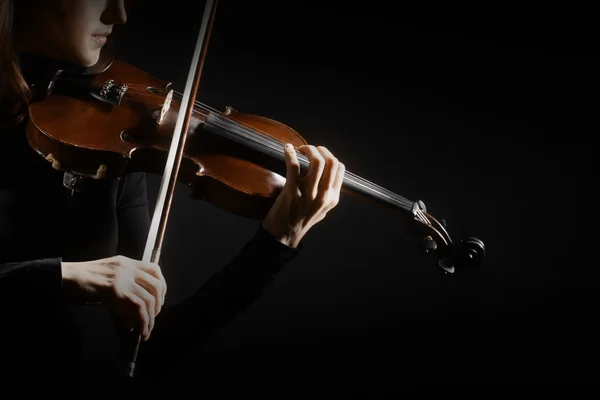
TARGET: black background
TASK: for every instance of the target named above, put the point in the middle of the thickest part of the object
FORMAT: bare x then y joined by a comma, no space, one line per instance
450,104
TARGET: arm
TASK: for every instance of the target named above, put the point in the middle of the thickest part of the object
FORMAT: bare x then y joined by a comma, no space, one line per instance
183,327
227,293
303,202
255,266
30,281
22,280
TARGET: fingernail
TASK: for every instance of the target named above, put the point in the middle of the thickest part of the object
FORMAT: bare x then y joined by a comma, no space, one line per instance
288,146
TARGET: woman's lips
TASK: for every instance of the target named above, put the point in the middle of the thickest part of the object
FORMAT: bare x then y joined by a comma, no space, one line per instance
99,39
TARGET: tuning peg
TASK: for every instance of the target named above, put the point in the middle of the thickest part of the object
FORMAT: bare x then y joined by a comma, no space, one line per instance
470,254
428,244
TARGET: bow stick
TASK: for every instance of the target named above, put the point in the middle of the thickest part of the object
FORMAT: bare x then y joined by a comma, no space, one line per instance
169,178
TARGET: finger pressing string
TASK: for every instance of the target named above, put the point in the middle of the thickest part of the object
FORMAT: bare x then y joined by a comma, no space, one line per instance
315,168
330,170
339,177
293,165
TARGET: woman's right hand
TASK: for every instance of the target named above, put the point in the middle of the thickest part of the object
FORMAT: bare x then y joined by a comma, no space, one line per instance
134,289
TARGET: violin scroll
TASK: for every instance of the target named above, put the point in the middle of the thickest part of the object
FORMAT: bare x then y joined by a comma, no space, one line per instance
467,254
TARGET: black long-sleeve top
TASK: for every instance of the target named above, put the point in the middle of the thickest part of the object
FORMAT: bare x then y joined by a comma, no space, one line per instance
42,224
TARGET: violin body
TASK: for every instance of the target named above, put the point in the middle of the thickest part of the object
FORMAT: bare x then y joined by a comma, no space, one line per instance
98,137
122,120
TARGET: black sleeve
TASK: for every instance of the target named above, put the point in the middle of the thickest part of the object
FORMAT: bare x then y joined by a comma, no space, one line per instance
226,294
257,263
185,326
31,281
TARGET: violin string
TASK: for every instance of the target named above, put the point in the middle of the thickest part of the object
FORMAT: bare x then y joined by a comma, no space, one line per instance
266,140
350,177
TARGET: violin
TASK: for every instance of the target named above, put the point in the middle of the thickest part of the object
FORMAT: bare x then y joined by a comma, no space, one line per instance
118,119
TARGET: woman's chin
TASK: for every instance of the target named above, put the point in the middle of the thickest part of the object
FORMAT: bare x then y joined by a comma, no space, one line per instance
91,59
86,59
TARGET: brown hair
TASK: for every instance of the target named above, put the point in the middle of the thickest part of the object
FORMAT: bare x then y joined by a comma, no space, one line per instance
14,91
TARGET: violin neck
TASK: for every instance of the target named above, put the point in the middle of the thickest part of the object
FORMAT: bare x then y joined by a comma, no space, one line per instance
273,151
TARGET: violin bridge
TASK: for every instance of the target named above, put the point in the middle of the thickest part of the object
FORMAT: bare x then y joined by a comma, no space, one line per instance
165,108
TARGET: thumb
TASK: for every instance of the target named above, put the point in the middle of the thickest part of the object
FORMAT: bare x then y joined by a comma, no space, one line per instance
292,166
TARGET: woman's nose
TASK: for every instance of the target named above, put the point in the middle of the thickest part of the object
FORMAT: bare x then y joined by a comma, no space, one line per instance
115,13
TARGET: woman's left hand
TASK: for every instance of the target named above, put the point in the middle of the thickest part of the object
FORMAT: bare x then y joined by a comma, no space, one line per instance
305,200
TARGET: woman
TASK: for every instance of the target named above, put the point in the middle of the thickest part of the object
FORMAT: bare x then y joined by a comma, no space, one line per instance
59,249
